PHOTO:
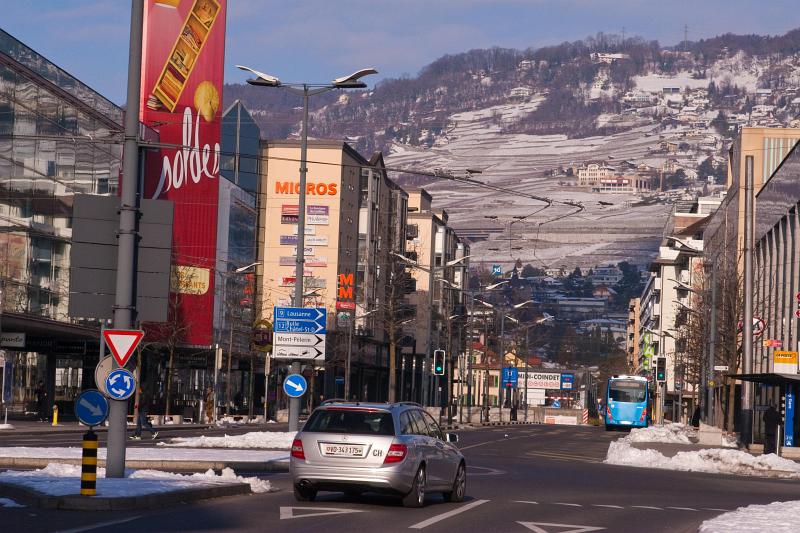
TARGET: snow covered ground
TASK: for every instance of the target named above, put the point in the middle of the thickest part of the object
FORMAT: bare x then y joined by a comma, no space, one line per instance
6,426
776,517
61,480
275,440
714,460
150,454
671,433
8,502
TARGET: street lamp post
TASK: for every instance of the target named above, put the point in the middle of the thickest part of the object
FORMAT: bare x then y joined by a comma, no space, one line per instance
306,90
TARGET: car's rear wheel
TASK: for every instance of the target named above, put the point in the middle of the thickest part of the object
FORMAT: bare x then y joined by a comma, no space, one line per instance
459,486
304,494
416,498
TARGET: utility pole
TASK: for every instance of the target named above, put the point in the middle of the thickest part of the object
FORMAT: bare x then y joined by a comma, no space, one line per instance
125,299
712,346
746,420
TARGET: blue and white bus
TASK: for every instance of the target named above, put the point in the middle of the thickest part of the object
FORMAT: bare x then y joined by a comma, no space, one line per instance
627,402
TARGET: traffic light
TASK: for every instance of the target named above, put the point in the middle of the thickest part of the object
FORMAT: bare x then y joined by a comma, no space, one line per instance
438,362
661,369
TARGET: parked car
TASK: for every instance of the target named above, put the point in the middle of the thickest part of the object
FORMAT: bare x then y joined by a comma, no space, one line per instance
394,448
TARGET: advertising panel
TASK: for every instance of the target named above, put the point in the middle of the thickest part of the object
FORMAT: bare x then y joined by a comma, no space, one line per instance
784,362
543,380
567,381
317,210
183,47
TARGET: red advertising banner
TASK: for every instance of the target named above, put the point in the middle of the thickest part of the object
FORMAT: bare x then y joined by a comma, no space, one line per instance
183,52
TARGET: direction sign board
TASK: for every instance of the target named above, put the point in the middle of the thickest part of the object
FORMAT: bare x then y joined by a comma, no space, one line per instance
122,343
120,384
721,368
295,385
567,381
299,339
300,319
296,352
510,376
91,407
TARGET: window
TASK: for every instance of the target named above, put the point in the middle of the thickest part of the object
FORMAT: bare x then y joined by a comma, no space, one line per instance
420,427
433,427
351,421
406,424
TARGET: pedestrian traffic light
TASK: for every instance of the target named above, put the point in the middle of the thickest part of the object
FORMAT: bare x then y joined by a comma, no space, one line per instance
438,362
661,369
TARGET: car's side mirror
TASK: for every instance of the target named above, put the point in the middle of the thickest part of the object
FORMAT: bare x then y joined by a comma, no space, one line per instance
452,437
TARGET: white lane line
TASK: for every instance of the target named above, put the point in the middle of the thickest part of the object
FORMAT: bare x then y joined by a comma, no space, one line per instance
525,501
647,507
715,509
568,504
98,525
448,514
682,508
608,506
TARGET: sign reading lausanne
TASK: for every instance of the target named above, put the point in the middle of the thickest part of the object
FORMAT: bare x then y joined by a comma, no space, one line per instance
300,320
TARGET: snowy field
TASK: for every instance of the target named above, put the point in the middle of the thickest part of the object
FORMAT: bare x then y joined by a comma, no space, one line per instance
266,440
62,480
714,460
776,517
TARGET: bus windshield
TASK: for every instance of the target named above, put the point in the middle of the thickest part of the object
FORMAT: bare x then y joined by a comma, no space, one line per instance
627,391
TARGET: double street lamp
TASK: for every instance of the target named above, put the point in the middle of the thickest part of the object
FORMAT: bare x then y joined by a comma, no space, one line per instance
306,90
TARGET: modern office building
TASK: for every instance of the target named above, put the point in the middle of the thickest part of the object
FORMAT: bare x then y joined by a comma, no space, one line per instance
58,138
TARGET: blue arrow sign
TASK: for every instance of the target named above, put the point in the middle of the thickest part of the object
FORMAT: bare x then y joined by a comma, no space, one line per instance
120,384
300,320
295,385
91,407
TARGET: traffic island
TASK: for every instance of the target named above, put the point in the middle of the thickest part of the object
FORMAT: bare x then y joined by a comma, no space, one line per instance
57,487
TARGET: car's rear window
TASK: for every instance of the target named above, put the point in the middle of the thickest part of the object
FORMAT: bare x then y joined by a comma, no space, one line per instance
351,421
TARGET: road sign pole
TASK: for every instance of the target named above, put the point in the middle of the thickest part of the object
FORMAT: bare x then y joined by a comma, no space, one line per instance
125,300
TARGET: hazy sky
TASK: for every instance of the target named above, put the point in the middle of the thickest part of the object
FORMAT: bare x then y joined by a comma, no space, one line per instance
317,40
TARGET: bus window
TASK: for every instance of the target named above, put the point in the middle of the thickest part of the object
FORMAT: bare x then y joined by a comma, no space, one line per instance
627,391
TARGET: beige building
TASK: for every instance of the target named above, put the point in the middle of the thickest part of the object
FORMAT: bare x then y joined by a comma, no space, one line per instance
331,235
632,337
593,173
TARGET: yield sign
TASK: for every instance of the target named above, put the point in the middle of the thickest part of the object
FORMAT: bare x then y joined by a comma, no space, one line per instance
287,513
122,342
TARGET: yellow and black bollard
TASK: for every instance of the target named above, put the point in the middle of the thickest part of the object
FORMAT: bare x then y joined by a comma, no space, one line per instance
89,464
55,415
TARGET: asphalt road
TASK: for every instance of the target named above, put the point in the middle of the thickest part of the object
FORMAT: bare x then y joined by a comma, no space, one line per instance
521,478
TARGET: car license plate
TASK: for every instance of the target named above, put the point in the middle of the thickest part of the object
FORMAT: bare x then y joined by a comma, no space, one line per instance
343,450
627,422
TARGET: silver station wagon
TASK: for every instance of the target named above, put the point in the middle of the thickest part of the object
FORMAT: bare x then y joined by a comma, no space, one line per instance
396,448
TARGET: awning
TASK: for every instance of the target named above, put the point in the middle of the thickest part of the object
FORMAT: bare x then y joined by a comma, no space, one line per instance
768,379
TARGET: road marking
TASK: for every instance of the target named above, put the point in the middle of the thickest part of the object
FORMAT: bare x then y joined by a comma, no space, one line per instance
489,471
448,514
647,507
525,501
713,509
534,526
287,513
609,506
682,508
568,504
98,525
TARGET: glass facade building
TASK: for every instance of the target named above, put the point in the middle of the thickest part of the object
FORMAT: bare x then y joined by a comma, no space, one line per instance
58,138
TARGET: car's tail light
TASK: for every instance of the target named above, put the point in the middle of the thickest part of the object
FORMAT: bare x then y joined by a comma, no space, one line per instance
297,449
643,415
608,413
396,453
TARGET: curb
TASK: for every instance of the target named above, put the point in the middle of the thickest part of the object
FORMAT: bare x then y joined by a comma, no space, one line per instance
171,466
50,430
99,503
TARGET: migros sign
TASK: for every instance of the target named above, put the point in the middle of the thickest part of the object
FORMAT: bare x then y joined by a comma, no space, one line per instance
318,189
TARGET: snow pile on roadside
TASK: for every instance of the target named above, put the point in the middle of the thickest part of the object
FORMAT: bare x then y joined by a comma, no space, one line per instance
776,517
8,502
714,460
729,441
229,421
227,476
276,440
6,426
58,479
669,433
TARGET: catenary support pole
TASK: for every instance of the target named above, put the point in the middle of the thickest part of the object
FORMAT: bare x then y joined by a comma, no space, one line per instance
746,420
125,303
712,347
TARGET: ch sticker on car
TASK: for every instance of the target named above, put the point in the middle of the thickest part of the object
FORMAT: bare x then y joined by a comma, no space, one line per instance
377,453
